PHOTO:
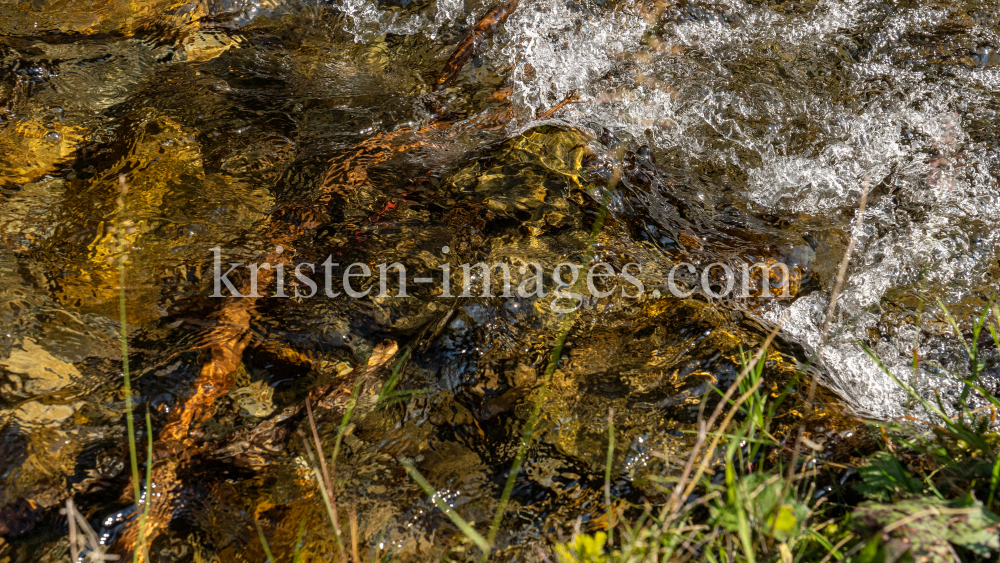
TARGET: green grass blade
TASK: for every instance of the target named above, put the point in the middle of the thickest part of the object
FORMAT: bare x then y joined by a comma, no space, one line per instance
390,384
129,407
607,472
144,515
263,541
462,525
913,393
328,505
916,333
976,330
351,403
954,325
297,556
565,325
994,480
969,350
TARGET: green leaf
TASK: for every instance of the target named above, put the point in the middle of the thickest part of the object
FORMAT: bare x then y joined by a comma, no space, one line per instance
884,478
584,548
922,525
784,523
767,504
872,552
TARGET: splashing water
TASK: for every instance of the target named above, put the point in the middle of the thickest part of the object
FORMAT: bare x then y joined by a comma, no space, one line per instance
368,20
764,119
798,107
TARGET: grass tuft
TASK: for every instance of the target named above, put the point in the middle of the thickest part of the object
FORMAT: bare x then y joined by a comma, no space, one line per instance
919,499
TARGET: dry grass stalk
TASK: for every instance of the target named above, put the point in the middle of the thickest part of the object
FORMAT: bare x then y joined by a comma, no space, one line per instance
354,533
842,272
831,309
327,482
327,501
87,540
74,549
686,483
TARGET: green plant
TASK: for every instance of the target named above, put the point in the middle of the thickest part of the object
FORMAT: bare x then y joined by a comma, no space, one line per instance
297,556
263,541
142,511
583,548
388,395
607,476
928,508
459,522
962,448
752,515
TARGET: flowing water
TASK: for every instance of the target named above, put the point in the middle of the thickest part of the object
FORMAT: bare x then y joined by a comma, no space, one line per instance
731,131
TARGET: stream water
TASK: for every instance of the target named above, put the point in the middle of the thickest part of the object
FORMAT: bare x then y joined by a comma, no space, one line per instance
728,132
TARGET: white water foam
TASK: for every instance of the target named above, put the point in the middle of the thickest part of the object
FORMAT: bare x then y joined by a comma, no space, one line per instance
368,21
808,105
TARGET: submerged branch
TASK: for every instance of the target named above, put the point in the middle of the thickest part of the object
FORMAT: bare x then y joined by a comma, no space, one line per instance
482,31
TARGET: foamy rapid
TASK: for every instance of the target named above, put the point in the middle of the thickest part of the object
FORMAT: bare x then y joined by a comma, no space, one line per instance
807,105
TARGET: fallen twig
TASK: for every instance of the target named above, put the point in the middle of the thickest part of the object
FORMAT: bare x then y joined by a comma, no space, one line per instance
484,29
571,98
